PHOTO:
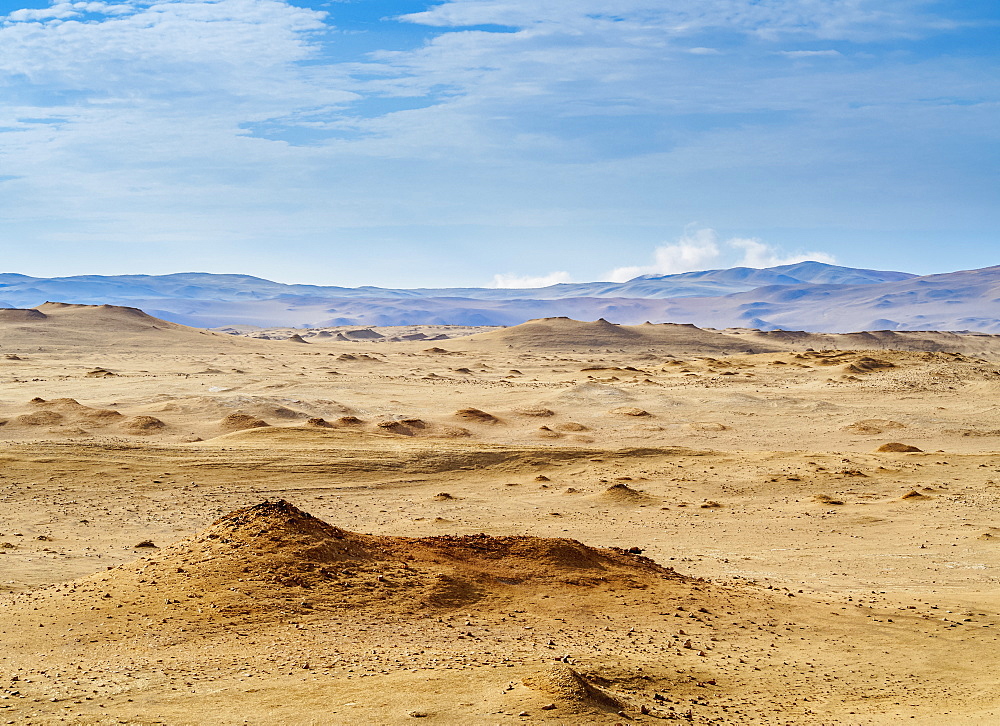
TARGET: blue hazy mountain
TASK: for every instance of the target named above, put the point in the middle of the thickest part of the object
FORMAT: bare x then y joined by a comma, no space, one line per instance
20,290
809,296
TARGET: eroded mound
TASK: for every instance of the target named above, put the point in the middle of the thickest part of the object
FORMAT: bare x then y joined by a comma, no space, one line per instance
623,494
58,411
241,422
571,687
895,447
142,425
475,415
267,560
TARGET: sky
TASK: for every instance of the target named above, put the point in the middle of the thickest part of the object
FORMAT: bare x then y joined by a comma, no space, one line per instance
497,142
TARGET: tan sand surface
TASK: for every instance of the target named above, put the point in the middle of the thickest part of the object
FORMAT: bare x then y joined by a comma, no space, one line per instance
557,523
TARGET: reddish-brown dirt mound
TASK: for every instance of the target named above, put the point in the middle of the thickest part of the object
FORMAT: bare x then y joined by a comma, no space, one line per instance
266,560
629,411
623,494
241,421
142,425
40,418
66,410
475,415
897,448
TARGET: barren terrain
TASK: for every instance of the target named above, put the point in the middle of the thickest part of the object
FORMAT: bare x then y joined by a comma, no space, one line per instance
557,523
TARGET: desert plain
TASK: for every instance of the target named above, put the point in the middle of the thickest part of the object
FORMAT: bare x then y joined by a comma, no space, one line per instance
555,523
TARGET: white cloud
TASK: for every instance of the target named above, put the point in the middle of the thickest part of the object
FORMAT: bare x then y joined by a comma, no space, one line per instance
840,19
701,249
810,53
526,281
759,254
58,10
693,251
185,119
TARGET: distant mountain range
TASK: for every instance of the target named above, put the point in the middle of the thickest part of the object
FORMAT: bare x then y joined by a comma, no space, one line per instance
810,296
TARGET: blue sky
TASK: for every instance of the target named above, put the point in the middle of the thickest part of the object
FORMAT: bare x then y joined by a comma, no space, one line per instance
479,142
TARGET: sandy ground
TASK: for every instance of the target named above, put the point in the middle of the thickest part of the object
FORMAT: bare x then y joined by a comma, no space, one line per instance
521,526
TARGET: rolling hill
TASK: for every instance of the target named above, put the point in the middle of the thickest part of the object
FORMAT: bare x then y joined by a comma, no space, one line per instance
810,296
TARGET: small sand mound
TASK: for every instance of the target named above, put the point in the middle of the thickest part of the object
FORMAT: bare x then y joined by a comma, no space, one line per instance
623,494
363,334
66,411
319,423
914,494
394,427
40,418
142,425
867,365
475,415
572,426
538,411
708,426
450,432
349,421
896,448
629,411
241,421
100,373
564,683
827,499
873,426
296,338
593,394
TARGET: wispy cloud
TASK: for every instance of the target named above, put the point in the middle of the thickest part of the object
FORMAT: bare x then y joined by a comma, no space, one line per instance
527,281
231,124
759,254
701,249
810,53
695,250
854,19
